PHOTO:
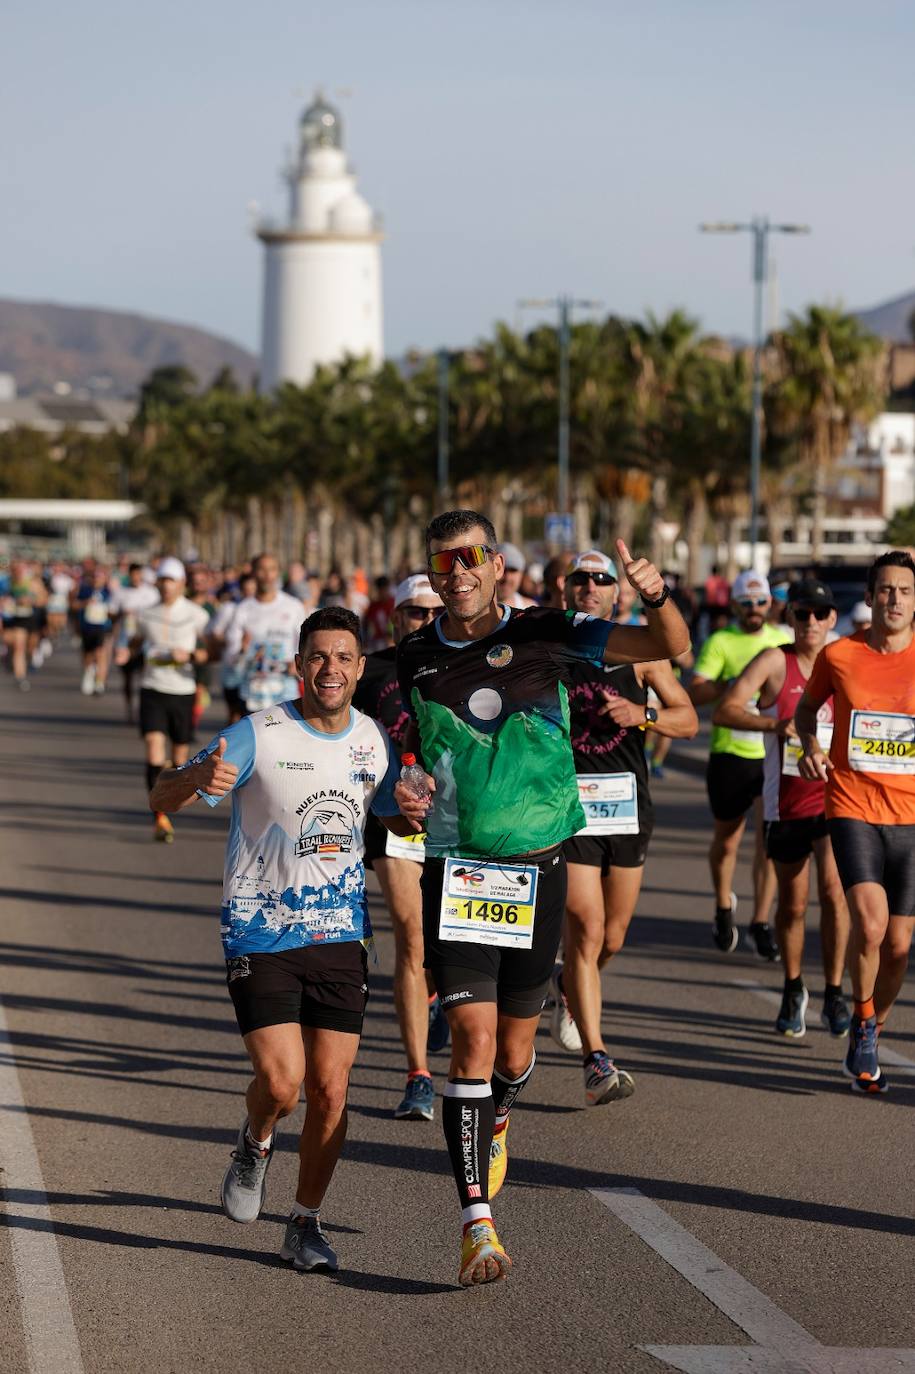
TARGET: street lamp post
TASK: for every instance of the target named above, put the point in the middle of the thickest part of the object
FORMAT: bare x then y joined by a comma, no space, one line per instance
565,305
760,228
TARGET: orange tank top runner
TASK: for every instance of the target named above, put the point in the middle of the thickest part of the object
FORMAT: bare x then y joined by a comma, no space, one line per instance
873,742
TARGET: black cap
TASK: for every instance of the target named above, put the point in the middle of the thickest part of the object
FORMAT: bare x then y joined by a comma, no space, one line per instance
810,592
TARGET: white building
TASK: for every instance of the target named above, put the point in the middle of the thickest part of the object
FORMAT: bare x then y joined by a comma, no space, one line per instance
322,279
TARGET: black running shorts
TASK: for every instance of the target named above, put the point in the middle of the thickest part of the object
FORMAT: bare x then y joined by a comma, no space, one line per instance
167,713
733,785
608,851
790,842
93,637
376,838
324,987
517,980
883,854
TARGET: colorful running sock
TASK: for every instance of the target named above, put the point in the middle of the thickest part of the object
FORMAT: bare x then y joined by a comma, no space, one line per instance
468,1117
865,1010
505,1091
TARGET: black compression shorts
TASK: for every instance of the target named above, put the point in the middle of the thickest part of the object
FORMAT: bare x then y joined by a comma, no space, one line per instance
790,842
167,713
883,854
733,785
608,851
516,980
324,987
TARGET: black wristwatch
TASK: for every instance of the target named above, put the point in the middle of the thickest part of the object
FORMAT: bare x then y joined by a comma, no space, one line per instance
656,605
651,716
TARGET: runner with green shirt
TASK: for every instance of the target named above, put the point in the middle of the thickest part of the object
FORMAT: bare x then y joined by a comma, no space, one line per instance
486,689
735,769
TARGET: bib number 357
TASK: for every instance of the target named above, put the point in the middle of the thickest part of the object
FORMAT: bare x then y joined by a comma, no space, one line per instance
488,903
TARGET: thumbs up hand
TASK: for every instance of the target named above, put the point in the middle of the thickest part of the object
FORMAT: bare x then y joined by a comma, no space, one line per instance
217,775
643,575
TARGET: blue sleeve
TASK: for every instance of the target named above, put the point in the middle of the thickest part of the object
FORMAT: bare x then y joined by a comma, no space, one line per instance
383,803
587,637
240,750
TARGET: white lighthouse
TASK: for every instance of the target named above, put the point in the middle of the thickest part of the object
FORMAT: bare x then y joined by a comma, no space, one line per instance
322,278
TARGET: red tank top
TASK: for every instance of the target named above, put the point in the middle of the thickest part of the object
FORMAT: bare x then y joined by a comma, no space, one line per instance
786,795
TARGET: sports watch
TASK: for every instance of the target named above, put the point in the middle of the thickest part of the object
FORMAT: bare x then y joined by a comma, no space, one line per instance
651,716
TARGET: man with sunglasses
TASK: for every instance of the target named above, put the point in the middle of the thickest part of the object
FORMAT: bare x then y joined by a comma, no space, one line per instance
735,769
610,716
869,774
486,687
795,808
398,862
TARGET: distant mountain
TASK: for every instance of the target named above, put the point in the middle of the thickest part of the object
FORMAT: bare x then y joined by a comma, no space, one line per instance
105,352
890,321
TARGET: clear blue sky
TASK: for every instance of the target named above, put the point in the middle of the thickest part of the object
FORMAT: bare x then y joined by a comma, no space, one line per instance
514,147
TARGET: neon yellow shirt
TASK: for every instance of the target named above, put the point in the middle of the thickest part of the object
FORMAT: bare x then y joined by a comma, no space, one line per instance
723,656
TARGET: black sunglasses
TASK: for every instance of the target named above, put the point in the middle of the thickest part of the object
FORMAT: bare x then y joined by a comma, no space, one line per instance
804,613
419,612
600,579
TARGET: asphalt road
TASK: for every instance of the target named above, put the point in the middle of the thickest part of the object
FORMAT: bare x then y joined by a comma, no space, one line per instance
771,1226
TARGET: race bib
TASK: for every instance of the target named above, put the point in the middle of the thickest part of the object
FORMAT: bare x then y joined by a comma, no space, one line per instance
488,903
881,742
95,613
406,847
793,751
159,656
610,802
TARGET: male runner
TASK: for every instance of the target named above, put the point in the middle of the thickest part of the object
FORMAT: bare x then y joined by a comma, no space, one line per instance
610,714
398,863
486,688
735,767
870,797
94,603
794,808
127,602
168,638
266,628
295,922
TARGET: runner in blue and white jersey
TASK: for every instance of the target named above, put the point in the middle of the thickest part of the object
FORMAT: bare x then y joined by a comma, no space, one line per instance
295,921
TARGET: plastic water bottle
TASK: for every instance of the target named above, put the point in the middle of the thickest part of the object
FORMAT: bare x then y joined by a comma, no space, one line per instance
413,776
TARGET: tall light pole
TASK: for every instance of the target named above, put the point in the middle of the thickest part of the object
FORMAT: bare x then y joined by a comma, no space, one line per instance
760,228
565,305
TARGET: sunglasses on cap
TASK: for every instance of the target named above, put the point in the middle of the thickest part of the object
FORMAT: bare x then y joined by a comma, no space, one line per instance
747,603
581,579
804,613
469,555
419,612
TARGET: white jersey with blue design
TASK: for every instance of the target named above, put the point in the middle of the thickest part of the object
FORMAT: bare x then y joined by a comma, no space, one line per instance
294,874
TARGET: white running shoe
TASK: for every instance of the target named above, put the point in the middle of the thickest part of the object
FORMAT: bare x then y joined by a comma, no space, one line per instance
562,1023
87,686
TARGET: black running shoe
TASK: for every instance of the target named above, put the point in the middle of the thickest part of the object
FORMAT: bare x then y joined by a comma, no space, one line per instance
724,931
759,939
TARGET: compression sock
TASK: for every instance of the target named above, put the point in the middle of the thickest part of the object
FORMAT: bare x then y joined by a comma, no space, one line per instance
152,772
468,1116
505,1092
865,1010
795,984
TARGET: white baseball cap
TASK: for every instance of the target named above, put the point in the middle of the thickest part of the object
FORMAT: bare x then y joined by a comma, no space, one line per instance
593,561
861,613
750,583
172,568
416,586
513,556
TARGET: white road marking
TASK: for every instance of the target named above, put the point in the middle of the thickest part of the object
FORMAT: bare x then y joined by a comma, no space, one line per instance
780,1344
47,1319
887,1054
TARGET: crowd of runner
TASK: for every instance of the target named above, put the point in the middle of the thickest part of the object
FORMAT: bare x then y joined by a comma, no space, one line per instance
485,735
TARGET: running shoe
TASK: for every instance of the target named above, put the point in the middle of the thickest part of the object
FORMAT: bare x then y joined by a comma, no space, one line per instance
657,771
418,1103
163,830
759,939
498,1161
87,686
244,1186
439,1030
305,1246
724,931
790,1020
605,1081
562,1023
835,1016
861,1064
483,1259
869,1086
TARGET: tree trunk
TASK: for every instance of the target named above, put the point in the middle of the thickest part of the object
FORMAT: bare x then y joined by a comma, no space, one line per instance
696,519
